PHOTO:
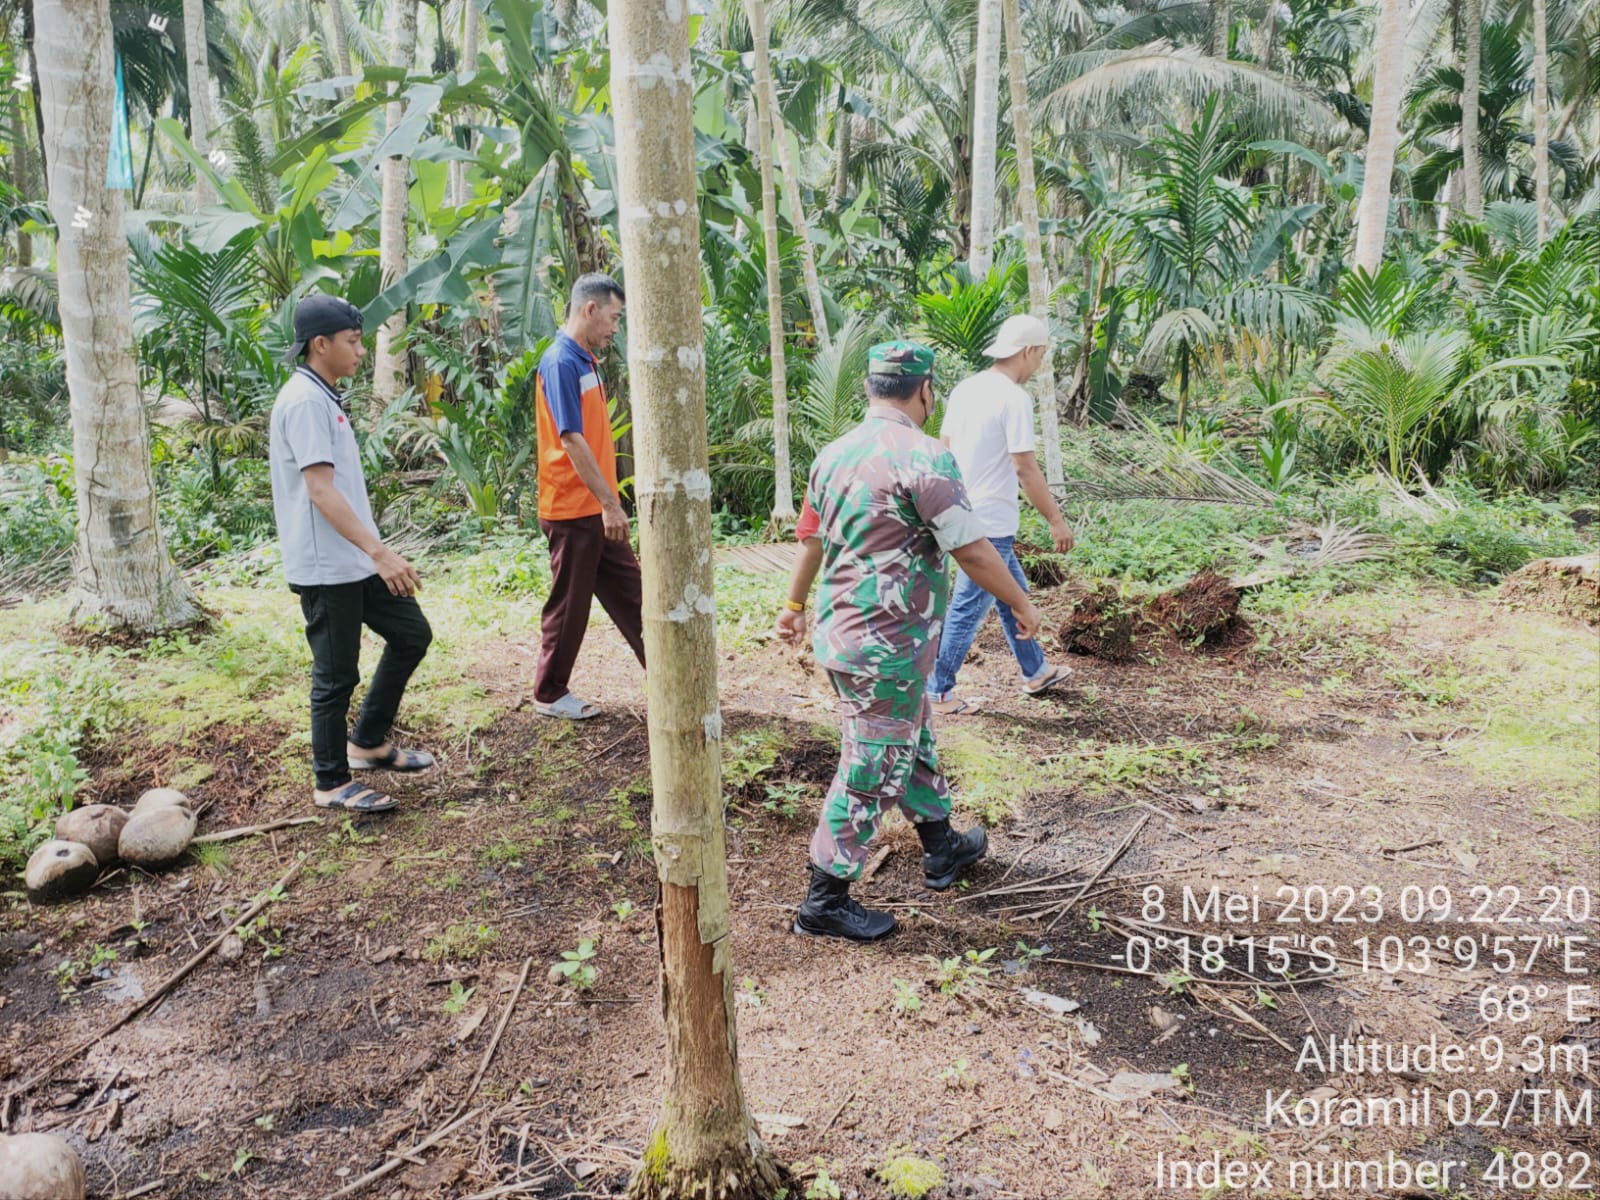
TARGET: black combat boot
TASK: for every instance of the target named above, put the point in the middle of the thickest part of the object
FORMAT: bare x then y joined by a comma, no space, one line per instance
945,853
828,911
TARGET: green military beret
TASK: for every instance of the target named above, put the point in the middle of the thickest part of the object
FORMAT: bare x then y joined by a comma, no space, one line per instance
899,358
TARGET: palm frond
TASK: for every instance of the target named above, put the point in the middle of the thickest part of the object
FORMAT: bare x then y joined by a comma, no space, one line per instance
1159,69
1142,465
834,398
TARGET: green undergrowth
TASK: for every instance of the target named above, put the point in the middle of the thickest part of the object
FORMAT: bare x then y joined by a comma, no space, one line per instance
1510,697
993,771
1521,710
1463,539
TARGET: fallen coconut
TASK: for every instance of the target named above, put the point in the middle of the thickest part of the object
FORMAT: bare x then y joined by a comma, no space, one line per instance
39,1166
59,869
156,798
97,826
156,837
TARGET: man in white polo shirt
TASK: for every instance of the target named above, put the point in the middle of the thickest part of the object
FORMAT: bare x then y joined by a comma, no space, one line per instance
988,425
337,564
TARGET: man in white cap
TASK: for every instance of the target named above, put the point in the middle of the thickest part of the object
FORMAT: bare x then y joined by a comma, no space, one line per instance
988,426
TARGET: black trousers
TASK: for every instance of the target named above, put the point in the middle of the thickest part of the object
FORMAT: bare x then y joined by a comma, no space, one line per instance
334,616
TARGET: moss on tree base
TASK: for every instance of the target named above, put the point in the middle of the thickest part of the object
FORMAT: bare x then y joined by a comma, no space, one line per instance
726,1175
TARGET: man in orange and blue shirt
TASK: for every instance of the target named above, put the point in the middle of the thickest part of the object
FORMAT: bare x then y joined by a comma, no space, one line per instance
582,518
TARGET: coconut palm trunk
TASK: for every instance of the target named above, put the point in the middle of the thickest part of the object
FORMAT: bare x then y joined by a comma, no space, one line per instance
985,125
125,579
704,1142
341,43
1541,120
1471,87
1044,382
1266,35
1221,27
1383,135
20,169
783,481
841,157
459,191
388,359
802,230
199,78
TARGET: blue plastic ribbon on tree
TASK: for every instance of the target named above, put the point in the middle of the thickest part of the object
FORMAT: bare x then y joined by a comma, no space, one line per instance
119,163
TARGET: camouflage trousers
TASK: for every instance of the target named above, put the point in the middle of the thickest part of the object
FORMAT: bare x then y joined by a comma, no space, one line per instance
887,757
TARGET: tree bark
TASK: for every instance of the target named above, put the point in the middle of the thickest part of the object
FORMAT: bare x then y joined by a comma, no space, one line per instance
985,132
125,578
460,193
388,361
1221,28
341,44
1383,136
199,77
21,172
704,1142
1471,89
1044,381
1541,120
1266,35
841,158
782,482
802,230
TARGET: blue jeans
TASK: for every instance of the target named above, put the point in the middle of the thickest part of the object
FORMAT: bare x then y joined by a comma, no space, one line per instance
969,605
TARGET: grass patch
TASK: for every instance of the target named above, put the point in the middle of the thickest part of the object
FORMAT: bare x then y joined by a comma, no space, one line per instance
989,776
503,853
213,857
460,943
1529,683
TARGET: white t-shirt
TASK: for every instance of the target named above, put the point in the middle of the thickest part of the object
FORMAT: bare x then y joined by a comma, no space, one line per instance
988,419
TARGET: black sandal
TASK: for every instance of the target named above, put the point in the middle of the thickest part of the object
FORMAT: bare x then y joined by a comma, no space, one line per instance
396,760
358,797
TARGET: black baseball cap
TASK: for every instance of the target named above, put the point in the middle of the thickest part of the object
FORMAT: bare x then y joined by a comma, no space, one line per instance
318,316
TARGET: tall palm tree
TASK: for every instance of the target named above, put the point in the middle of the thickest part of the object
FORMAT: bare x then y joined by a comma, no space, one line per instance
985,129
199,77
914,58
125,577
704,1141
1541,120
470,34
1221,28
388,360
802,230
765,114
1044,382
1438,119
1383,136
340,39
1471,88
1208,245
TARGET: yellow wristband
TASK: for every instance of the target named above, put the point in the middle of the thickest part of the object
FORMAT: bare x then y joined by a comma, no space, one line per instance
793,607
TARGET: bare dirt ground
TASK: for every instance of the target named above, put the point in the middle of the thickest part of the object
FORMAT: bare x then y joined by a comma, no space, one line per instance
291,1069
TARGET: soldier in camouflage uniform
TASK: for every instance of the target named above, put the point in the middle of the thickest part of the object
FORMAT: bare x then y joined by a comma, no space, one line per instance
892,505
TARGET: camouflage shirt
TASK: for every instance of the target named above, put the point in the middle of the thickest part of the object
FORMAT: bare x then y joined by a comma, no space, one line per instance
892,505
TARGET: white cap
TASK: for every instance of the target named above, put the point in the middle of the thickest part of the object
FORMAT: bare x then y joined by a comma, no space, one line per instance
1016,335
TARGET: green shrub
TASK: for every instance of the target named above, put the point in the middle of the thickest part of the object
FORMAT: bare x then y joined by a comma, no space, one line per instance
38,512
1487,538
57,704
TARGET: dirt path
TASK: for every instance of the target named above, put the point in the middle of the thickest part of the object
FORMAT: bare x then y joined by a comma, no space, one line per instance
288,1071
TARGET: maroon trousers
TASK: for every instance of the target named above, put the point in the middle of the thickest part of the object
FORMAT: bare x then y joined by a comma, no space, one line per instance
584,566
